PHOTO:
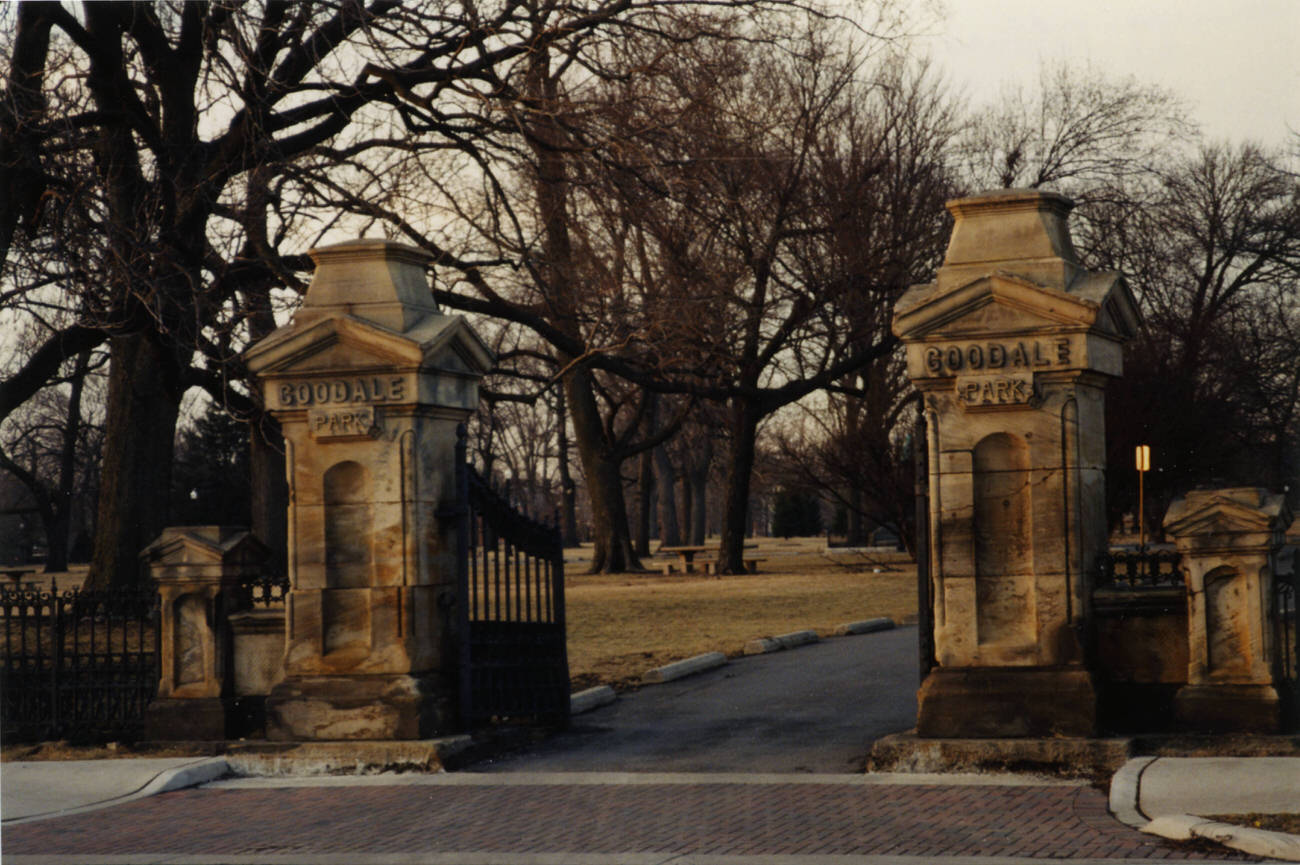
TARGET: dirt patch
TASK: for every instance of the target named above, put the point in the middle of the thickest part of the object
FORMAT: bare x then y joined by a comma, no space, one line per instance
112,751
1289,823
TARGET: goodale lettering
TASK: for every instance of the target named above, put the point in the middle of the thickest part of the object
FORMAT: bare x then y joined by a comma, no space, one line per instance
342,391
954,359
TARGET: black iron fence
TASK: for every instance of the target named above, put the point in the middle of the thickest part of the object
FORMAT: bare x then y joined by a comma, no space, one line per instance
261,590
1139,569
514,660
78,664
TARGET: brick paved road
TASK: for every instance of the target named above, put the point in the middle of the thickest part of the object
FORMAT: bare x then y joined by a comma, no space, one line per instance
739,819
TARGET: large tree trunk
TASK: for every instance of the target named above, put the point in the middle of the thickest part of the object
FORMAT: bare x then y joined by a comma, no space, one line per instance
645,482
670,534
613,548
143,402
568,489
60,528
735,517
20,139
644,500
269,490
699,491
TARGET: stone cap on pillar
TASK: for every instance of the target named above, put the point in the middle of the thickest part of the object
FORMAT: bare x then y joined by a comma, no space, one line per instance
204,554
1216,515
1011,272
370,332
372,280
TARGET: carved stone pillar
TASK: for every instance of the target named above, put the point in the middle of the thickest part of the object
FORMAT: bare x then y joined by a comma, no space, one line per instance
1010,348
368,382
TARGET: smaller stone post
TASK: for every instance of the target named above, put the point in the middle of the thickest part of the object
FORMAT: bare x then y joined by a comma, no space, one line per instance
197,569
1226,538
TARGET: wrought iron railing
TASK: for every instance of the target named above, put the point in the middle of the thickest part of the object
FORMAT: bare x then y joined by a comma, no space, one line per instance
1147,569
514,661
262,590
80,664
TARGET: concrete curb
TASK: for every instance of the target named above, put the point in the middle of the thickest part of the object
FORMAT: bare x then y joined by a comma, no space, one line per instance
193,774
348,758
866,626
592,698
687,667
763,645
1124,786
1257,842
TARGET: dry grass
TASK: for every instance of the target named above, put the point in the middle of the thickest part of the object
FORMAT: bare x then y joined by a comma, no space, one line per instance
622,625
1289,823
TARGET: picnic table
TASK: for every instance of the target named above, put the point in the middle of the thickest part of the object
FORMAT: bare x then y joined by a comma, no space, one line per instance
686,558
686,555
16,575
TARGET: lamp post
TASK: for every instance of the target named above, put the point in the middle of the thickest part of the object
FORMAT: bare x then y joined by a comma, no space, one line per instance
1143,466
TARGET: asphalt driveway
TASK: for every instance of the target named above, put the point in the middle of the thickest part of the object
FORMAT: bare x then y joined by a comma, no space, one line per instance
815,708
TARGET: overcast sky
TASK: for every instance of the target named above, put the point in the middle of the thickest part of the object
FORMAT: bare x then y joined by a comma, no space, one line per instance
1236,62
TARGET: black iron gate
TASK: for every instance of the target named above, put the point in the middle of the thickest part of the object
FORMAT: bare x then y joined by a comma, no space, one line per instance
1286,651
513,658
78,664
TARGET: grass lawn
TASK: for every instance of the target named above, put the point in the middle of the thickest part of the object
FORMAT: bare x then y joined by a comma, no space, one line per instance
622,625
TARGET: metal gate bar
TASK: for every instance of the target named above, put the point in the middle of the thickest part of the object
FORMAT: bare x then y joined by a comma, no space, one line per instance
513,656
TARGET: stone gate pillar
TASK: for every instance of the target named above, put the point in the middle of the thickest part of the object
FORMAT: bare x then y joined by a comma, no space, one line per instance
1010,347
369,381
1227,539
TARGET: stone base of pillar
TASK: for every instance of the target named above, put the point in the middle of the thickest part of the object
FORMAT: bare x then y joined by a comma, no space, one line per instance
360,707
201,719
1227,709
1006,702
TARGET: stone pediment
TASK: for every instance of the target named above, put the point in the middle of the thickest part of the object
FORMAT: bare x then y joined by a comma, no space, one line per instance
1243,510
203,545
345,343
998,304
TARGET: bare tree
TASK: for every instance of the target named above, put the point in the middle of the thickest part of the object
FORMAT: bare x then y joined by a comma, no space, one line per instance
784,216
1214,254
1079,130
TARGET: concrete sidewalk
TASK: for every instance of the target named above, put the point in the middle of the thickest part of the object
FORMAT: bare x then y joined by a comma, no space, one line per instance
1157,786
51,788
1173,797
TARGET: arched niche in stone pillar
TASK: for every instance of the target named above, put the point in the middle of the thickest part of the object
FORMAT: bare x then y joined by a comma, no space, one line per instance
1003,528
348,526
190,613
1227,647
349,558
